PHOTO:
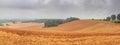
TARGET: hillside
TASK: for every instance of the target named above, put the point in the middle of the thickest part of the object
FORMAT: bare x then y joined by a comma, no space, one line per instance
35,37
76,26
81,32
88,26
27,26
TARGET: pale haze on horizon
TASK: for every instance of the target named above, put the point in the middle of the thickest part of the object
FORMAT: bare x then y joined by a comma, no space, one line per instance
35,9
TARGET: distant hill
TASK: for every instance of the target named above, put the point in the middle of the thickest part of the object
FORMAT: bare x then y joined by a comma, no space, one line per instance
88,26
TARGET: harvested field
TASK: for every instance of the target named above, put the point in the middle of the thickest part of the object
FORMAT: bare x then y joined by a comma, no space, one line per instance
81,32
27,26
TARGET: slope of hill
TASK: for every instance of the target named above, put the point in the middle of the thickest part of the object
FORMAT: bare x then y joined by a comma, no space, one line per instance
27,26
81,32
35,37
88,26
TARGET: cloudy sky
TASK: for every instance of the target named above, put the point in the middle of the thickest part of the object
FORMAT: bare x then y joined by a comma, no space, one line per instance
34,9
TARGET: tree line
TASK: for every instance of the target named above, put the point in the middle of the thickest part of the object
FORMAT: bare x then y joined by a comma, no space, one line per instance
53,22
113,18
56,22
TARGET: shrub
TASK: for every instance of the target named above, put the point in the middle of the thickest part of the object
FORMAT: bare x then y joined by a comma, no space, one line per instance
117,21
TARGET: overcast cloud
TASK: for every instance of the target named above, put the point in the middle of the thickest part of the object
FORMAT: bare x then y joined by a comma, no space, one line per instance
58,8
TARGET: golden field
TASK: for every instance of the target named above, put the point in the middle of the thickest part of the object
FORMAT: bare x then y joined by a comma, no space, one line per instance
81,32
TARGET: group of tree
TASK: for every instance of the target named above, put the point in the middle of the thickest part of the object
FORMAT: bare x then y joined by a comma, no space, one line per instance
56,22
53,22
71,19
113,18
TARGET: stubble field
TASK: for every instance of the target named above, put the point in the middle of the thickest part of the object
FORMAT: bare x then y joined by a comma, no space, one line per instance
81,32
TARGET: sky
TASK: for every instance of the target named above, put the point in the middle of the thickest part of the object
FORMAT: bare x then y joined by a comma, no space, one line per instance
38,9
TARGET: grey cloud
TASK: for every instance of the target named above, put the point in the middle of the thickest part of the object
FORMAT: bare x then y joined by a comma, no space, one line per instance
58,8
55,3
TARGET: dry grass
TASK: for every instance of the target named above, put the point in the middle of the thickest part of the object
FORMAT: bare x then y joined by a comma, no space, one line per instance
51,36
8,38
88,26
28,26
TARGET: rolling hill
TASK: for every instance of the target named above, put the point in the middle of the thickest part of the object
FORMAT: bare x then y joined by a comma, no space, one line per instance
80,32
27,26
88,26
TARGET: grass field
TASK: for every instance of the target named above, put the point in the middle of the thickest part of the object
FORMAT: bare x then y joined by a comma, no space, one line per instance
26,26
81,32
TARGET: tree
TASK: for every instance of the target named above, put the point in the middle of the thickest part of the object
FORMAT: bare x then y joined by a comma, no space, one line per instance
93,19
71,19
108,18
53,22
113,17
118,17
